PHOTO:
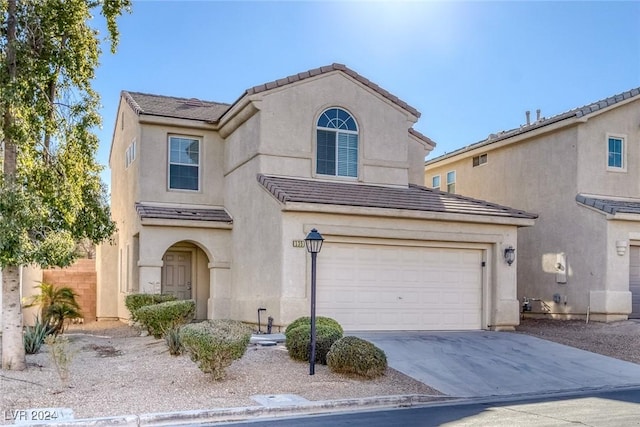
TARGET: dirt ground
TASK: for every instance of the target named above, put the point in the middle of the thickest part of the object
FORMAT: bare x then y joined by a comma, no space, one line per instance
617,339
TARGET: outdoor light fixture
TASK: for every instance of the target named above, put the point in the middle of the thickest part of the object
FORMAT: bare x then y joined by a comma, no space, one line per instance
621,247
314,244
509,254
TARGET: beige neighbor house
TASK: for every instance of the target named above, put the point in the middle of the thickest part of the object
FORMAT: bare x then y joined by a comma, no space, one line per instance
213,202
580,171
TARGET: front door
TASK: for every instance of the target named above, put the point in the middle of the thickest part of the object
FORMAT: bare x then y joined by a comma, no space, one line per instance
176,274
634,281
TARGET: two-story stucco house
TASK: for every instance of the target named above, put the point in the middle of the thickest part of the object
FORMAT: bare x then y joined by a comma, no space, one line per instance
580,171
212,202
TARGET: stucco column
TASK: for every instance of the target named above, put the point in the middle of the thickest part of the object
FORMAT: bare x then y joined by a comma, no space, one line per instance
219,304
506,307
150,276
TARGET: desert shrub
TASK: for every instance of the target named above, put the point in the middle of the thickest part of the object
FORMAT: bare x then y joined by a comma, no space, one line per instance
57,305
215,344
172,338
133,302
320,320
298,341
61,355
355,356
34,336
159,318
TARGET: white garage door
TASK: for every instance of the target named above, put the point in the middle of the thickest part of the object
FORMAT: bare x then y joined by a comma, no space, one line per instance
374,287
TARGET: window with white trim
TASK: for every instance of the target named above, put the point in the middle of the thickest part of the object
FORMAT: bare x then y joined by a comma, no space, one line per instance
435,182
130,154
337,144
184,163
451,182
616,152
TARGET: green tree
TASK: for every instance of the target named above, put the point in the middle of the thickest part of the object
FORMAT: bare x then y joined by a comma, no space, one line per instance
51,194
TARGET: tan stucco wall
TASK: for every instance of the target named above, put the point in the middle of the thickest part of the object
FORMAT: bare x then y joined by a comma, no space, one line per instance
154,166
543,175
594,178
31,276
278,138
107,281
285,130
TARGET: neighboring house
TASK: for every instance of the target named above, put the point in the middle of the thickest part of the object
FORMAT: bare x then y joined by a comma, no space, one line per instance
580,171
213,201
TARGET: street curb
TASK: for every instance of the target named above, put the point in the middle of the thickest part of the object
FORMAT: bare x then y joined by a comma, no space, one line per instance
251,412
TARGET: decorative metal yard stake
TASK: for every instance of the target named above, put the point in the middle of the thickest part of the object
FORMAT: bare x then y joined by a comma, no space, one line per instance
314,244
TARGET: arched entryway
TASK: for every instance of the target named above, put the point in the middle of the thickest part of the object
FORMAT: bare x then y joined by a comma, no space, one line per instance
185,274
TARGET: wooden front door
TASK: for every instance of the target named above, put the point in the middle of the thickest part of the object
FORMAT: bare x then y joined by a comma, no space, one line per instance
176,274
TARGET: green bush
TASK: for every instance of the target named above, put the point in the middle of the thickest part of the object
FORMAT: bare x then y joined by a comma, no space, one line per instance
133,302
298,342
355,356
215,344
159,318
34,336
320,320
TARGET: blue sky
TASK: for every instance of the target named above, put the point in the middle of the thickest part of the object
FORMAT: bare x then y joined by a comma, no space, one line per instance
470,68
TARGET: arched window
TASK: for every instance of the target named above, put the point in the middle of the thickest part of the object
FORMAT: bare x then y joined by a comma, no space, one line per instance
337,144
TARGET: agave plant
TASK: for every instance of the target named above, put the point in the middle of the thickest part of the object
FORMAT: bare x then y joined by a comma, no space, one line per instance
57,304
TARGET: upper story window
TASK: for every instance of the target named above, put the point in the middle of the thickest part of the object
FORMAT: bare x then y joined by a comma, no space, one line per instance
184,163
130,154
435,182
337,144
480,160
616,153
451,182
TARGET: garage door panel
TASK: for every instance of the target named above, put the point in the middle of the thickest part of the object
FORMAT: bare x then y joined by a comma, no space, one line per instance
368,287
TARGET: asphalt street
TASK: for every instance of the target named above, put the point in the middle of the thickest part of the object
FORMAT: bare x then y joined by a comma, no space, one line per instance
617,408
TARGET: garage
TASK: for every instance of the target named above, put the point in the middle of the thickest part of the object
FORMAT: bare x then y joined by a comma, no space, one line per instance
388,287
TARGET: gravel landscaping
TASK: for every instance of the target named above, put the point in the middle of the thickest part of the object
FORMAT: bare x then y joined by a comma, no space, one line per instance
115,371
617,339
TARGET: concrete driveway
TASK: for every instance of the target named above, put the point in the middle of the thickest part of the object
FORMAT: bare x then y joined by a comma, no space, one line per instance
482,363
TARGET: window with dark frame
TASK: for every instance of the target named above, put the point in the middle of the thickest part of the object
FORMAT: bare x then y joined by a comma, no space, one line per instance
479,160
615,152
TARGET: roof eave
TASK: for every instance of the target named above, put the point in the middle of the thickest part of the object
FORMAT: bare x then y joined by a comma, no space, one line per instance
186,223
155,119
405,213
493,144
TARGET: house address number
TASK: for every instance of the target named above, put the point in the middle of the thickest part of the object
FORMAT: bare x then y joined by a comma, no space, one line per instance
298,243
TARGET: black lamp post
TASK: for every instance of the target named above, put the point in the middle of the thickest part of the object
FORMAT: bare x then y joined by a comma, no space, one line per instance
314,244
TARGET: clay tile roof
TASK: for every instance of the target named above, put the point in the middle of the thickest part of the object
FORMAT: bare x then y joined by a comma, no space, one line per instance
421,136
327,69
169,106
413,197
177,212
610,206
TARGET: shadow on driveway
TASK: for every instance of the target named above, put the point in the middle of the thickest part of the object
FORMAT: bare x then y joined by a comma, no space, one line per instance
483,363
